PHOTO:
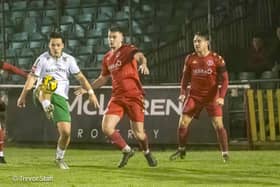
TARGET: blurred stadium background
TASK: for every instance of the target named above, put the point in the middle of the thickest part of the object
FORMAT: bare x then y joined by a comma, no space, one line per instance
163,30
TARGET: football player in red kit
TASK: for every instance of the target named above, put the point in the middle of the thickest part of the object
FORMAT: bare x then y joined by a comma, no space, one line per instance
203,85
3,105
120,63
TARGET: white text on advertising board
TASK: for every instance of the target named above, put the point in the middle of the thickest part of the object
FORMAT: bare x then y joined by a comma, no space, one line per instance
153,107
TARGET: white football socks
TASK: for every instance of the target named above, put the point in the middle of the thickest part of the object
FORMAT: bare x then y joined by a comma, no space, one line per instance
126,149
146,152
224,153
59,153
46,103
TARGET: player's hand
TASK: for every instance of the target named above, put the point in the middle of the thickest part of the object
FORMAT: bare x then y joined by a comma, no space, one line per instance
93,99
21,102
220,101
80,91
182,98
143,68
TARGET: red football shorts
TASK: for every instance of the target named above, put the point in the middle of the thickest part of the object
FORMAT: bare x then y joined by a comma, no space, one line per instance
132,106
193,107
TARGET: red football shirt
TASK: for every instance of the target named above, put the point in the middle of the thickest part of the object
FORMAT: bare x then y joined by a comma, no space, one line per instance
202,75
122,67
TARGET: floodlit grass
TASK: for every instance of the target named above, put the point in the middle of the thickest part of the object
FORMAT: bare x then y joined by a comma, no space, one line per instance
97,168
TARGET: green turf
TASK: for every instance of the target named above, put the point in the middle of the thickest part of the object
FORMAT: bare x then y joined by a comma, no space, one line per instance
97,168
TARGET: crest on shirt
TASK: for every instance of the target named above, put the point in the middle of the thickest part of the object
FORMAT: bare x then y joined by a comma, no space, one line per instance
210,63
64,59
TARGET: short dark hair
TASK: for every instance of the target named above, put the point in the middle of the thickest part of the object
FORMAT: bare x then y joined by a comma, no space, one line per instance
56,35
116,28
202,34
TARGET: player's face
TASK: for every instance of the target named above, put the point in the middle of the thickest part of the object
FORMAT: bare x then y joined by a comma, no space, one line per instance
115,39
200,44
56,46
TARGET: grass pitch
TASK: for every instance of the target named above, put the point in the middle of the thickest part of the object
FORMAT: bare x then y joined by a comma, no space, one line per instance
97,168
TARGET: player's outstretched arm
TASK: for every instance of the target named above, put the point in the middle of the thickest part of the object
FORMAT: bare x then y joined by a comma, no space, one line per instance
87,87
31,79
100,81
13,69
143,68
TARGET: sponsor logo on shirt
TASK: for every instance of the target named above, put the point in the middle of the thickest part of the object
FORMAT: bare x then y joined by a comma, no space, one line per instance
115,66
202,71
55,70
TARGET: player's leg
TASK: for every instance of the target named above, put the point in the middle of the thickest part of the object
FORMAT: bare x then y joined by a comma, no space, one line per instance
44,98
135,110
222,137
182,137
191,108
44,93
216,112
142,138
62,118
109,124
113,114
64,131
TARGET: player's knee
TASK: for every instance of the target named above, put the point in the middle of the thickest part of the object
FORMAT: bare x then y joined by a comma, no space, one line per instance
107,130
217,123
184,121
65,133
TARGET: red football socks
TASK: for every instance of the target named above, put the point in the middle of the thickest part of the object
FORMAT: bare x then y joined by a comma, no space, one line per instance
118,140
222,138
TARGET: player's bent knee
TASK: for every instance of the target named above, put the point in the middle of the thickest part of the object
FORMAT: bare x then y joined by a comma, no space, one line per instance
107,130
217,122
184,121
65,134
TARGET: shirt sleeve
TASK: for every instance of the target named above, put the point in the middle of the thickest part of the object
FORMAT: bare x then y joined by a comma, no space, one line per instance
74,68
186,77
131,50
104,69
37,67
222,77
